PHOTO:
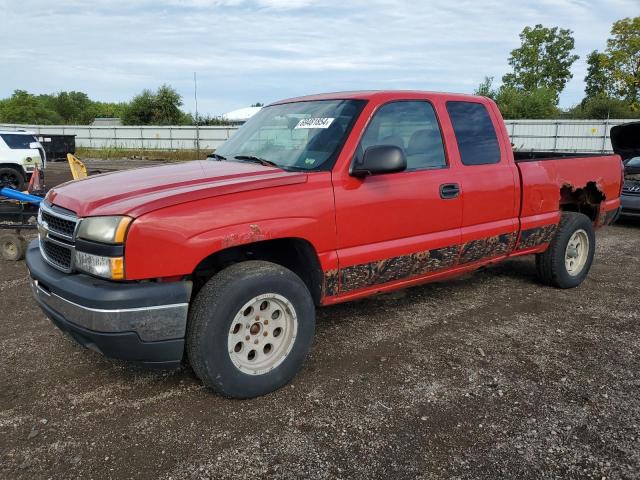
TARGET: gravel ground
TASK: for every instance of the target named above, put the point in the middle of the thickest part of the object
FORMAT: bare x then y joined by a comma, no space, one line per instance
490,375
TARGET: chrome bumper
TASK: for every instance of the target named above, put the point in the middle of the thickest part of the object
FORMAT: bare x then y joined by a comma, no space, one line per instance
152,323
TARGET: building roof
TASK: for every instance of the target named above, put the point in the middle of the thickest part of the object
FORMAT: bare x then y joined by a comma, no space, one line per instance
241,114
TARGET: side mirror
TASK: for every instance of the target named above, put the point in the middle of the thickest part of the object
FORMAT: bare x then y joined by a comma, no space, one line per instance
380,159
34,145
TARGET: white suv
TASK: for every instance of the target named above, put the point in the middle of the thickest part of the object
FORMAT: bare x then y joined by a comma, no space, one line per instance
20,154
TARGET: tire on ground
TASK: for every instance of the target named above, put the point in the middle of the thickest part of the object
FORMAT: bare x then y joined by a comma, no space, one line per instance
12,246
210,320
551,265
11,177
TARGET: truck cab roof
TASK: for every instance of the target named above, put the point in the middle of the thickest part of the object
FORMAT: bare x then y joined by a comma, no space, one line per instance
381,95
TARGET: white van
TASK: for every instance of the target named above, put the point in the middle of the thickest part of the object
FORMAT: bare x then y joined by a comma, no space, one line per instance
20,154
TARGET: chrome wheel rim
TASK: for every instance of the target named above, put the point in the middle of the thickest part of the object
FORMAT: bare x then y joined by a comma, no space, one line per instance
262,334
577,252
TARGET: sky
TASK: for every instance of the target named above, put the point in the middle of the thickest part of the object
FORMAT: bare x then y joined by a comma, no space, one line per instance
247,51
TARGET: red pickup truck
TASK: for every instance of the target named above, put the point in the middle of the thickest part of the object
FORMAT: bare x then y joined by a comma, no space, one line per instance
314,201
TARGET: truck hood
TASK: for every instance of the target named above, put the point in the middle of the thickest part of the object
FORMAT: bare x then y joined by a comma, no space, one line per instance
139,191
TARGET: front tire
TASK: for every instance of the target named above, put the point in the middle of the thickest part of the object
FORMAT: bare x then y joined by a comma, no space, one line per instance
567,261
12,178
250,328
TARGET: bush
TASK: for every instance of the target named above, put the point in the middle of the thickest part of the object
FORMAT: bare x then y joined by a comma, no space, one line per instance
603,107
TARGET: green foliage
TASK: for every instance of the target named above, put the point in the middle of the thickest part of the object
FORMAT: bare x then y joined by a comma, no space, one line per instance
518,103
23,107
543,60
598,79
485,89
623,51
76,108
208,120
69,108
603,107
537,103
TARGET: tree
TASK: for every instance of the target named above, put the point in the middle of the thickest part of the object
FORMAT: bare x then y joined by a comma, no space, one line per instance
23,107
485,89
140,110
160,108
543,60
533,104
603,107
167,106
623,50
598,81
517,103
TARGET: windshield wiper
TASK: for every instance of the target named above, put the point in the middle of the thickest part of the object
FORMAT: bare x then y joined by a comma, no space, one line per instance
216,156
261,161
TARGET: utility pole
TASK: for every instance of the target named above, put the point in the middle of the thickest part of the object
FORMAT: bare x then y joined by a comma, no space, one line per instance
195,94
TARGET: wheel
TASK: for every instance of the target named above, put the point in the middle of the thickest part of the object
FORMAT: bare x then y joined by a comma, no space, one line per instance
12,178
250,328
13,246
566,263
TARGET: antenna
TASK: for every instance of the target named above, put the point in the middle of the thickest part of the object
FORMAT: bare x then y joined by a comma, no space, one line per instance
195,95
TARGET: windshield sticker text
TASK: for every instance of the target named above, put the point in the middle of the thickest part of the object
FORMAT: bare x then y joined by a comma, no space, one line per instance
319,122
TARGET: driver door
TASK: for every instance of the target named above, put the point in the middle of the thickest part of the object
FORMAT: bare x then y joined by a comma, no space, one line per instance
397,226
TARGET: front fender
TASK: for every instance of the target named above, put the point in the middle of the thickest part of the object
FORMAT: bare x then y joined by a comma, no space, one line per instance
179,255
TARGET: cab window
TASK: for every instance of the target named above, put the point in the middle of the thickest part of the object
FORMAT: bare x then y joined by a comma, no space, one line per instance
410,125
476,136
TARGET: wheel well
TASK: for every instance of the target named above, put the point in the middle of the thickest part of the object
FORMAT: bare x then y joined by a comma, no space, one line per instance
585,200
296,254
18,168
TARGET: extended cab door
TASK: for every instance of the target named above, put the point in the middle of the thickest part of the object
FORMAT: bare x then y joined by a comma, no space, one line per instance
397,226
489,181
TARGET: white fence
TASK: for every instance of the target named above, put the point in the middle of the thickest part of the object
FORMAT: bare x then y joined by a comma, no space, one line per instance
562,135
135,138
547,135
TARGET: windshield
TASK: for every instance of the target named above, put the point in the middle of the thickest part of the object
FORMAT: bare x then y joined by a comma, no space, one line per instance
298,135
19,141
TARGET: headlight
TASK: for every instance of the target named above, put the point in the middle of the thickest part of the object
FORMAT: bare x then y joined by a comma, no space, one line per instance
106,267
104,229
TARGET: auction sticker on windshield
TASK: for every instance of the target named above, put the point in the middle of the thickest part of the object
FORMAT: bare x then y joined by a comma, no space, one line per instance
318,122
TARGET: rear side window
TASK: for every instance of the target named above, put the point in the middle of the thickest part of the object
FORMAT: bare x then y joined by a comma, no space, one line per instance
477,140
17,141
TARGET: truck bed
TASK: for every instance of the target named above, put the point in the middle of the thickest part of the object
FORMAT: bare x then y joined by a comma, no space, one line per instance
549,182
533,155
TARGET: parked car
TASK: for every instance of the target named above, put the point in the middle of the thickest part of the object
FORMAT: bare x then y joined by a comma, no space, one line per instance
630,198
20,155
314,201
625,142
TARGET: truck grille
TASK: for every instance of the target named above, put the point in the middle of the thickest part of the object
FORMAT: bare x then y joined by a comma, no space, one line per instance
56,231
631,189
59,225
57,255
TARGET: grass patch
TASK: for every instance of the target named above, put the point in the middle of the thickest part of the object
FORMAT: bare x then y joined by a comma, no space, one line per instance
122,153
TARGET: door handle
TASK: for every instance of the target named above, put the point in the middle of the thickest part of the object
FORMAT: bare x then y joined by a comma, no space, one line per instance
449,190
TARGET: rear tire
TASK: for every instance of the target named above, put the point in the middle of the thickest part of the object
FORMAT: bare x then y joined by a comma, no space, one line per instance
567,261
12,178
250,328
